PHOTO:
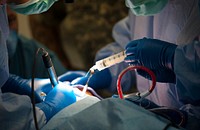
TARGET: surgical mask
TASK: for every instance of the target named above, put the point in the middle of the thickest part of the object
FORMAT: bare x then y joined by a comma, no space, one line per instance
32,6
145,7
12,43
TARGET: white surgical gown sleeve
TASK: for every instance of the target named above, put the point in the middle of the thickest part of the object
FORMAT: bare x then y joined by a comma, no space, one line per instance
121,36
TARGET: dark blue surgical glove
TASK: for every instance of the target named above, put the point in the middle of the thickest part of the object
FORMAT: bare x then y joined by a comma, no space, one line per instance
20,86
71,75
99,80
154,54
59,97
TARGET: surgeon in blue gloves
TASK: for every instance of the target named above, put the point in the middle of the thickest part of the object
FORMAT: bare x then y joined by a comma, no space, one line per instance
15,104
162,35
172,64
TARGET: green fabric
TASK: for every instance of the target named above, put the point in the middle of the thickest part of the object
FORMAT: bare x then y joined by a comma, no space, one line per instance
21,62
33,6
108,114
146,7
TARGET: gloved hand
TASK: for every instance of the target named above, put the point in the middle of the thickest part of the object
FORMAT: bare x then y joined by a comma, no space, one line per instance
154,54
58,98
71,75
17,85
99,80
42,86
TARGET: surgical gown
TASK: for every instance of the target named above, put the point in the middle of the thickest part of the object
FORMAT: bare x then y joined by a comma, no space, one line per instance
15,110
20,63
179,23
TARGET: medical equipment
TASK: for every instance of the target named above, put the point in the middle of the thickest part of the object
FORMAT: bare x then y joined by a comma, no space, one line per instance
32,89
115,59
54,81
53,78
50,68
103,64
139,94
109,61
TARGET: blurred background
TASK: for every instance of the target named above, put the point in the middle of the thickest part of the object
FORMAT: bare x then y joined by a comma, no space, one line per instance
75,31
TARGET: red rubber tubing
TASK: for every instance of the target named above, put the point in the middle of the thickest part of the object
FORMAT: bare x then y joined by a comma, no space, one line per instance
153,78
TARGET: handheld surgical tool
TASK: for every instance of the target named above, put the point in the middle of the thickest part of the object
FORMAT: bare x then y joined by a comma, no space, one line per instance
50,68
103,64
118,58
109,61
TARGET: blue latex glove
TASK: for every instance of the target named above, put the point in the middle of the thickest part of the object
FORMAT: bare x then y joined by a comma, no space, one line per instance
42,86
20,86
71,75
154,54
58,98
99,80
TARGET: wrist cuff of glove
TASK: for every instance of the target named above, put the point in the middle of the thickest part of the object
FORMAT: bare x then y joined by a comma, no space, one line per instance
17,85
47,109
170,51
